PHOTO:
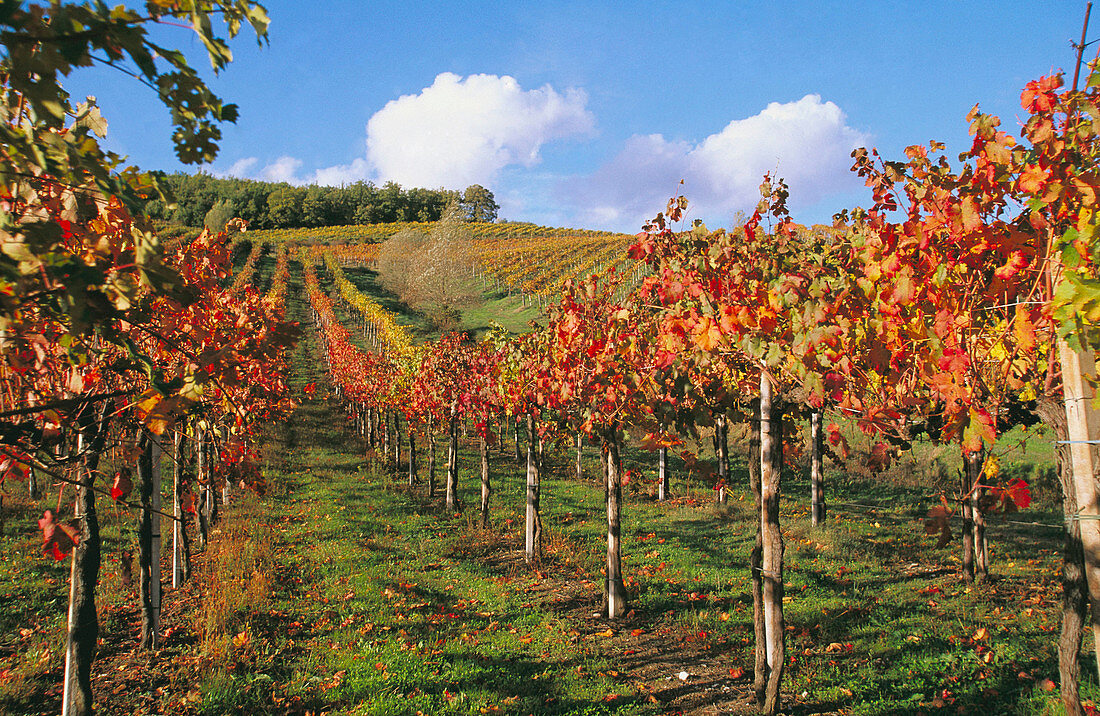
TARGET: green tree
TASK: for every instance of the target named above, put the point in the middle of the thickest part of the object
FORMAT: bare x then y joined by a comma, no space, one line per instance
479,204
219,215
284,206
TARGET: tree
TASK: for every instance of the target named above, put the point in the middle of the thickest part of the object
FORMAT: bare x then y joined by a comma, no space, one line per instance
218,216
284,206
479,204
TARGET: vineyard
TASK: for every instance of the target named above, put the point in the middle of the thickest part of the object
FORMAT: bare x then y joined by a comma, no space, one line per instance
473,468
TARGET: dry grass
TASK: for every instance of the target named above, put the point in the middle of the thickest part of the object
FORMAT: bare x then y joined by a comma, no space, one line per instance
236,579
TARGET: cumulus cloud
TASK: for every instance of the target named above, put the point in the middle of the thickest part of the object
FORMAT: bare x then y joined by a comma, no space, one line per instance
282,169
807,143
358,170
462,131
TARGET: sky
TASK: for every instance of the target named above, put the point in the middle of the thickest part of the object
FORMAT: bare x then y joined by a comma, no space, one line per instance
590,114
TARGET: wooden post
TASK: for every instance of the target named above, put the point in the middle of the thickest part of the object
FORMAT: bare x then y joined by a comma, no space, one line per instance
721,453
532,530
580,456
451,496
179,530
1083,427
771,568
967,510
662,473
412,455
817,473
486,488
616,588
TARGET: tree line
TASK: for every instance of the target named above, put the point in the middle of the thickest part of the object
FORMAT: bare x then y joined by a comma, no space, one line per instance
202,199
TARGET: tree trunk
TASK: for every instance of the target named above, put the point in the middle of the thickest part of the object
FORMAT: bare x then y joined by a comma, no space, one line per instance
412,456
201,515
225,485
580,456
515,435
974,464
32,484
148,472
721,453
452,467
486,488
1082,427
1075,596
967,521
211,488
817,472
385,441
603,467
181,548
771,568
756,565
662,473
533,517
431,456
83,625
616,588
396,442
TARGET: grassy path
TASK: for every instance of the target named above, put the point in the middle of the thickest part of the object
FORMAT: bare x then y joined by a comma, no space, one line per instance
376,607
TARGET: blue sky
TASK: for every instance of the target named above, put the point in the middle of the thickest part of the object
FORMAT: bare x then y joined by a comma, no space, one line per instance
588,114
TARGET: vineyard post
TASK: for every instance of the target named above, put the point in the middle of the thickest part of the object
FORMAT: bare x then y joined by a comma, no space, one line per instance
225,486
412,454
149,541
1083,428
662,473
721,453
817,473
580,455
974,463
616,588
83,621
179,530
385,440
431,454
201,515
533,520
486,488
451,489
515,435
396,441
771,566
760,666
967,510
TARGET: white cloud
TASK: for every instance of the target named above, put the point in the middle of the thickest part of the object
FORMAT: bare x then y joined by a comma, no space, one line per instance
358,170
807,143
460,131
282,169
239,168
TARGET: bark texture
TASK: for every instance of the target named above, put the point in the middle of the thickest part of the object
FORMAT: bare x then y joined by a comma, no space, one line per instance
83,624
771,567
616,588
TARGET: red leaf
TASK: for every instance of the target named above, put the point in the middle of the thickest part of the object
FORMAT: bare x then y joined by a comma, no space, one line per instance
122,485
1018,491
58,538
